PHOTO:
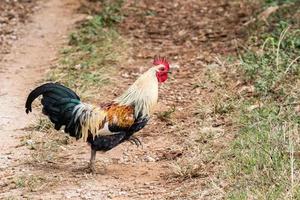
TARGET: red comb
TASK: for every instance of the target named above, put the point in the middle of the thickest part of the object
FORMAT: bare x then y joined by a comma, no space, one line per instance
161,61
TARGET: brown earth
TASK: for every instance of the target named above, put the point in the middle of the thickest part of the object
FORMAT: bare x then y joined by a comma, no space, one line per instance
193,34
12,13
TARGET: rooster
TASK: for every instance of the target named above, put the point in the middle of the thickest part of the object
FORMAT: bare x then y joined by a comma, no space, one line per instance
103,127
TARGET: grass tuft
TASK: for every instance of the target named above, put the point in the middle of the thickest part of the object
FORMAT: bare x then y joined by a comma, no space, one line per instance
42,124
30,182
190,166
166,115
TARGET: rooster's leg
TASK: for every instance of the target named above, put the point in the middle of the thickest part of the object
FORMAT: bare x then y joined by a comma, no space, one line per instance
92,166
92,161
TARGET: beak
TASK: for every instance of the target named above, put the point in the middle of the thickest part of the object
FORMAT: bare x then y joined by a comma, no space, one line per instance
173,67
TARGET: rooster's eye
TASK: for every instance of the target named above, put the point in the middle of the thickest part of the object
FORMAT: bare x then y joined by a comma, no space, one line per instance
161,69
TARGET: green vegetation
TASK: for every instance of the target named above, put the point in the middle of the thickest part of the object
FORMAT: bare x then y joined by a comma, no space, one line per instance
275,63
95,48
278,2
264,157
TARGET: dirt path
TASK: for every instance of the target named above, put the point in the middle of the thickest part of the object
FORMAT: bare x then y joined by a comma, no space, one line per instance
185,32
30,57
27,62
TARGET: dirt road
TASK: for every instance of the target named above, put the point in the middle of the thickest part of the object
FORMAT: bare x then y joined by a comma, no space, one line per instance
185,32
26,64
30,57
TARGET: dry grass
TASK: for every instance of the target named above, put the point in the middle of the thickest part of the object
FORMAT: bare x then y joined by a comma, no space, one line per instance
44,141
30,182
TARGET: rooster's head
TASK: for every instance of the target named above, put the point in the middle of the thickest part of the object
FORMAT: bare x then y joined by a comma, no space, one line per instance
162,69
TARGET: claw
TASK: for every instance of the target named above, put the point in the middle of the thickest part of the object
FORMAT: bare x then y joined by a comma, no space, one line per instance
131,141
136,141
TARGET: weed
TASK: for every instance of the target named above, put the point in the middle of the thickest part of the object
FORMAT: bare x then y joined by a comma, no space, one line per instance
277,62
47,146
260,152
44,143
166,115
111,14
261,160
200,143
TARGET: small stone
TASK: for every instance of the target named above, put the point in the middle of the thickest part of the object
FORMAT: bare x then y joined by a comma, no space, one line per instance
78,190
30,142
149,159
62,148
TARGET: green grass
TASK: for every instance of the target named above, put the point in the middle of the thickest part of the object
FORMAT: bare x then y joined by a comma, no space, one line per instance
278,2
262,161
261,164
93,53
275,61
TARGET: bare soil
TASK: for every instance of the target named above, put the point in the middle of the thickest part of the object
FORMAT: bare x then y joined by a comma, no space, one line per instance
12,13
192,34
25,64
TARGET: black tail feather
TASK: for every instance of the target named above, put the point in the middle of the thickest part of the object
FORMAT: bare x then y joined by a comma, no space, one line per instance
58,103
52,90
